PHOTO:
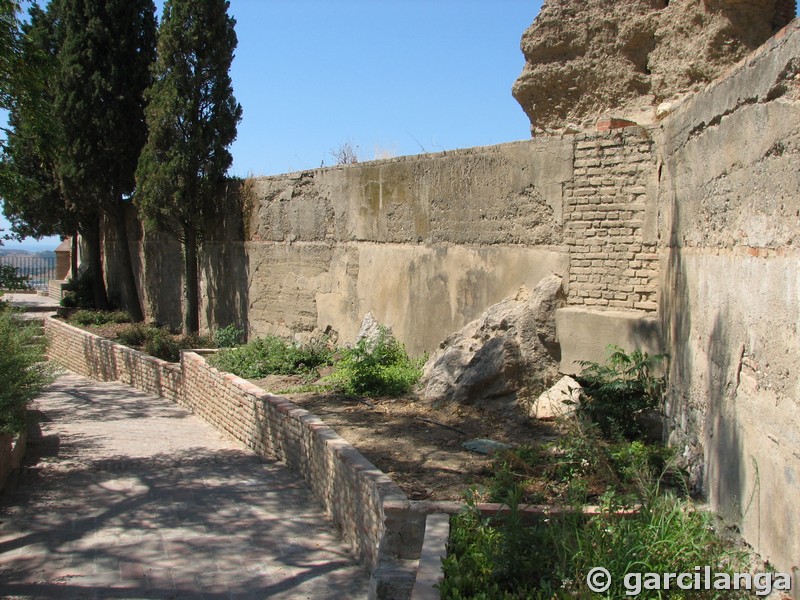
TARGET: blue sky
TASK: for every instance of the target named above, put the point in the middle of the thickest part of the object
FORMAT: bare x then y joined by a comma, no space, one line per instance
390,77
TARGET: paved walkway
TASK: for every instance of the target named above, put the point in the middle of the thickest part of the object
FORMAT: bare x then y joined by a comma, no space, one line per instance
130,496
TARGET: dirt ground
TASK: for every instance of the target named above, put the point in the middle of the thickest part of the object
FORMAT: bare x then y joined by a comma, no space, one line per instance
417,445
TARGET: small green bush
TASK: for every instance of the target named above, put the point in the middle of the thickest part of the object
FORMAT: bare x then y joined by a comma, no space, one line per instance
504,558
135,335
161,344
618,392
228,337
272,355
78,292
85,317
23,372
11,280
379,367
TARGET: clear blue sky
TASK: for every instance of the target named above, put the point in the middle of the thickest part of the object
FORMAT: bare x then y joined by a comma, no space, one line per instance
388,76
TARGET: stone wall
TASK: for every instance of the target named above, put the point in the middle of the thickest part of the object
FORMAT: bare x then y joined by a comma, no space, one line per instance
729,201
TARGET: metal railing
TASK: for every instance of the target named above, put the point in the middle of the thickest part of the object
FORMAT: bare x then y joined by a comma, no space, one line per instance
38,269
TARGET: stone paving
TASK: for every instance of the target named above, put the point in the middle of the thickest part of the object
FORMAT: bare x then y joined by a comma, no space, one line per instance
129,496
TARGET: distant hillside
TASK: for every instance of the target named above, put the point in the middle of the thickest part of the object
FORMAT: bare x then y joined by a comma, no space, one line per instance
21,252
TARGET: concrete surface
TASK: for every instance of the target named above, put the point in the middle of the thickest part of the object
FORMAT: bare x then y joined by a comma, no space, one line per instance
129,496
34,305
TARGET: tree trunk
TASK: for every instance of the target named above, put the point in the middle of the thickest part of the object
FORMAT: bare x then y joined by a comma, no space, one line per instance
130,293
192,314
94,262
73,258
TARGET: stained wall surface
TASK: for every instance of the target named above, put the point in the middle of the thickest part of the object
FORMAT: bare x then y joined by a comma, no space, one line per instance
729,210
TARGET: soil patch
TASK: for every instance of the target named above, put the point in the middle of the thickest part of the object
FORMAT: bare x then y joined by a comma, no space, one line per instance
414,443
417,445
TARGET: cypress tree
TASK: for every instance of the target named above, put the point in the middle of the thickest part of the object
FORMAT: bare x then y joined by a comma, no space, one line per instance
105,59
32,199
191,117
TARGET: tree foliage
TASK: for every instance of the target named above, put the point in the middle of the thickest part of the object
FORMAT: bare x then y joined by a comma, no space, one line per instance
104,69
29,185
192,117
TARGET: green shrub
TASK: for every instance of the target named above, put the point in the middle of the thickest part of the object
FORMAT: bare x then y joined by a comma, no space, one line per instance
579,467
161,344
135,335
195,340
228,337
23,374
85,317
379,367
11,280
505,558
79,293
617,393
272,355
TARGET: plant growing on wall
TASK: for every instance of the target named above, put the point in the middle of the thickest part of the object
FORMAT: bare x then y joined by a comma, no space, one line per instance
191,117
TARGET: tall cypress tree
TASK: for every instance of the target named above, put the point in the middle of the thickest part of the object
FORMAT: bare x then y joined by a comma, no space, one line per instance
105,59
191,117
32,198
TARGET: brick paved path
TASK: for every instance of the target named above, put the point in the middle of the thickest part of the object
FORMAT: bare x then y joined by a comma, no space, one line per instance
130,496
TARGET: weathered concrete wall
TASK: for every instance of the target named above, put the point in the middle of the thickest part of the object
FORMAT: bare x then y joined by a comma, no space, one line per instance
729,202
424,243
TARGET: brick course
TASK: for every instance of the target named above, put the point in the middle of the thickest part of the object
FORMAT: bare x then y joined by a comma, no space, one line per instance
611,266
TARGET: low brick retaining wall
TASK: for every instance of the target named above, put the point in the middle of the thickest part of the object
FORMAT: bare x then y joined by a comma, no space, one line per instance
369,507
101,359
12,449
375,516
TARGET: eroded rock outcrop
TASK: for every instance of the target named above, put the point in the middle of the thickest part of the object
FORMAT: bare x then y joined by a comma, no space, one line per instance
585,58
493,357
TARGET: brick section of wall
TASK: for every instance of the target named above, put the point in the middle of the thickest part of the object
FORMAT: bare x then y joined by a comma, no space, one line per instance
375,516
611,266
12,449
92,356
369,507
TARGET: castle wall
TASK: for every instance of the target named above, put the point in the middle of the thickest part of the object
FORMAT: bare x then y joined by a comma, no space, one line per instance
689,228
729,209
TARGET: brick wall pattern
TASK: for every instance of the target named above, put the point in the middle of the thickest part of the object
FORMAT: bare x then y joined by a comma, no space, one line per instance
611,265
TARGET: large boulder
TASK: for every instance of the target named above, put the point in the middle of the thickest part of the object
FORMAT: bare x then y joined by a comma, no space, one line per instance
492,358
584,58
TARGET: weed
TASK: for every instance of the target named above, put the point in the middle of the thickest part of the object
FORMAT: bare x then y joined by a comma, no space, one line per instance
272,355
620,391
503,557
228,337
85,317
377,367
